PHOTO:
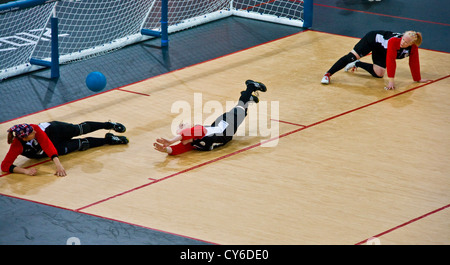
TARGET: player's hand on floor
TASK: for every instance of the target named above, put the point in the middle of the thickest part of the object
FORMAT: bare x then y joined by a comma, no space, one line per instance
163,142
159,147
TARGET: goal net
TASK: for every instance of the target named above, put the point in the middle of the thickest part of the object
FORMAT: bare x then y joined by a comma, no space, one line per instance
88,28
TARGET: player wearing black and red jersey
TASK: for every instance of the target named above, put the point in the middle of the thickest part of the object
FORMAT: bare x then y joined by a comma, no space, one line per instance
50,139
220,132
386,47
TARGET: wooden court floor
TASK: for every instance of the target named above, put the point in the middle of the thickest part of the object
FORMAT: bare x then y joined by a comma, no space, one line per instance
313,164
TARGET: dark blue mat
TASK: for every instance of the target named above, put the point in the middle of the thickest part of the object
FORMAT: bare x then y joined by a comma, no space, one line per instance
27,223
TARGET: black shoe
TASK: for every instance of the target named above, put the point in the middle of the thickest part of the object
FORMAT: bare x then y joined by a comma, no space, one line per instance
114,139
118,127
257,86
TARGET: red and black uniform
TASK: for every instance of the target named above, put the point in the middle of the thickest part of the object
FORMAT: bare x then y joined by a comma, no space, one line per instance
39,147
194,133
385,49
55,138
220,132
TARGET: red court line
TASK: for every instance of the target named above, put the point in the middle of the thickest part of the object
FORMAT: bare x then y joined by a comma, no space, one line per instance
378,14
405,224
73,101
260,143
57,106
291,123
378,101
134,92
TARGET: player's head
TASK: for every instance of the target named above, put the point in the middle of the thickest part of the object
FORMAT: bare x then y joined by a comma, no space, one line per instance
411,37
182,126
22,131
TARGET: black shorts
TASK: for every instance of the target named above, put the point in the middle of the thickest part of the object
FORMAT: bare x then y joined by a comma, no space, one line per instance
61,134
59,131
368,45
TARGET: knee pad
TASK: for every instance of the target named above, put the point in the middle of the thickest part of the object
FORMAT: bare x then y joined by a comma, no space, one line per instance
350,57
84,144
84,128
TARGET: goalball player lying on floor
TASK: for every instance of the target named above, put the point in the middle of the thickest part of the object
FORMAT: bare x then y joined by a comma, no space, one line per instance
220,132
50,139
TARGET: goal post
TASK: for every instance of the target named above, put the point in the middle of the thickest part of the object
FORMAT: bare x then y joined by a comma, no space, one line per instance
53,63
45,33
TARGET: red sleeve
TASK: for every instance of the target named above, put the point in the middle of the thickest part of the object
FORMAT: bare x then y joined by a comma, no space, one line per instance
181,148
195,132
414,64
14,151
391,56
45,142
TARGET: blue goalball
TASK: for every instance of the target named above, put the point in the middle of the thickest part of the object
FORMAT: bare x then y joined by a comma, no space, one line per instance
96,81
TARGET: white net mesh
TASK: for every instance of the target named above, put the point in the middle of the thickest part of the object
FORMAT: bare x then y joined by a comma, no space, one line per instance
290,9
179,11
88,28
91,27
288,12
19,34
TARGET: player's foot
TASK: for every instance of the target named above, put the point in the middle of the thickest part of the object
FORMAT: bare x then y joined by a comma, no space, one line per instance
257,86
351,66
118,127
114,139
326,79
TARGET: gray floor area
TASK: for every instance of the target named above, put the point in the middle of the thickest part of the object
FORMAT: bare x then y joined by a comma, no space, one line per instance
24,222
28,223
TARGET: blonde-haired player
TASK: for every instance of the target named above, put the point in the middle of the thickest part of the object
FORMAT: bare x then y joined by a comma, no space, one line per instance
386,47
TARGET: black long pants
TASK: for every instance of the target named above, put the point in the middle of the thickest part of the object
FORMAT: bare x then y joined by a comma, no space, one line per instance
61,134
233,118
